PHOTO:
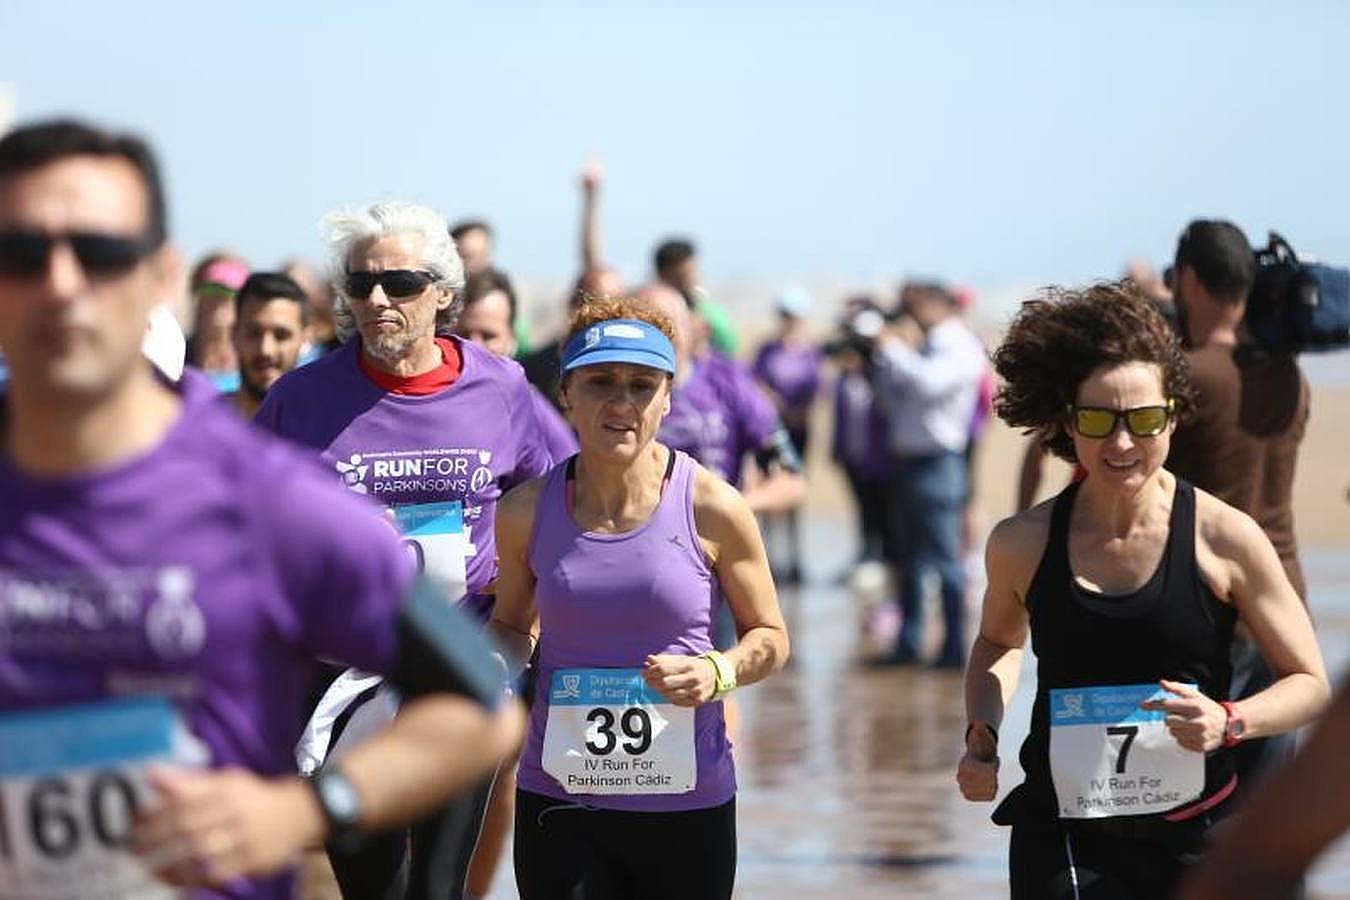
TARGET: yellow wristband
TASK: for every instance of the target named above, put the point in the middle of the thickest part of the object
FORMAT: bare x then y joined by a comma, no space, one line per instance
726,672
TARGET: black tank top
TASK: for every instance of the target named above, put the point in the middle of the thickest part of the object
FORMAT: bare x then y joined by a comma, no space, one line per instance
1173,627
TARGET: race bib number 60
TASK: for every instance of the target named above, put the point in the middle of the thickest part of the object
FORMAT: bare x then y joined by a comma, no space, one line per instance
71,780
609,733
1108,757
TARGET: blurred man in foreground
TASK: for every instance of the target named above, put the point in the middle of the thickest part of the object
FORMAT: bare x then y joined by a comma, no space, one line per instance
202,567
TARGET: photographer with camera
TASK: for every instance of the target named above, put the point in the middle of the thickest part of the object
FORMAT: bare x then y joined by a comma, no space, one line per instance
1242,445
859,444
929,368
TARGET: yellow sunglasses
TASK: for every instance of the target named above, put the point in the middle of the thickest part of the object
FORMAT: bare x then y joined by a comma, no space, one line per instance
1141,421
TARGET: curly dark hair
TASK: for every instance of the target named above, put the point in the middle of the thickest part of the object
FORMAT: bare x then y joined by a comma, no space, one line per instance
1062,336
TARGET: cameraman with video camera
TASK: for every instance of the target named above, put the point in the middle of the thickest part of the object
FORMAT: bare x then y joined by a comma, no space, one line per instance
1242,445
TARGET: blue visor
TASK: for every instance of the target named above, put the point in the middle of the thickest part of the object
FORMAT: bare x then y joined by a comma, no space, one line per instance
620,341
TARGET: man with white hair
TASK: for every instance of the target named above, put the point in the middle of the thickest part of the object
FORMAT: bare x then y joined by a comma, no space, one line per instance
431,426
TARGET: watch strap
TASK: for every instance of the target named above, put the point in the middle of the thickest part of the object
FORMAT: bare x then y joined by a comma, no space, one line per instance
340,803
726,672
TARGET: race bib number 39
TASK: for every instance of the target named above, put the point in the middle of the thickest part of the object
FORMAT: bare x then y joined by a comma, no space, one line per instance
1108,757
71,780
434,533
609,733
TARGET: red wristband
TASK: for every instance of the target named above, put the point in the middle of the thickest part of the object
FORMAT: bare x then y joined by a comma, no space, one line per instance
1235,729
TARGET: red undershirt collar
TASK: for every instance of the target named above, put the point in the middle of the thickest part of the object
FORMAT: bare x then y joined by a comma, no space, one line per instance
435,381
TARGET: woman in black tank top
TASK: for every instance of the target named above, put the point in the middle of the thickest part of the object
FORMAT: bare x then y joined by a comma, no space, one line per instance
1130,584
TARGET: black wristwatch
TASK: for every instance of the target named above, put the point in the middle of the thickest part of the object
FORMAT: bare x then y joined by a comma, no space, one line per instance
341,806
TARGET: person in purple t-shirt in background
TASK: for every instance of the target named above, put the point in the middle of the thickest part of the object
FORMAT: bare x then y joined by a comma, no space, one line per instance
489,320
619,560
860,442
191,569
719,415
788,367
433,427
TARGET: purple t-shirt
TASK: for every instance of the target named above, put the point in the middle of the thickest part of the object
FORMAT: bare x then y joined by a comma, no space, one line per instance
467,444
718,415
605,602
793,372
861,432
558,436
211,571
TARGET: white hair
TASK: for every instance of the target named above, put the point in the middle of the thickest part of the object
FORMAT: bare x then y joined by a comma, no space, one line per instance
344,229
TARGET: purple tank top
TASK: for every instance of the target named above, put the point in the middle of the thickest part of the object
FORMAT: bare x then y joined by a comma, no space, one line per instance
609,600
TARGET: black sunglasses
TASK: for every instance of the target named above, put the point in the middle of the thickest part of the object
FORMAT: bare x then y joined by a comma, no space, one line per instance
396,283
25,254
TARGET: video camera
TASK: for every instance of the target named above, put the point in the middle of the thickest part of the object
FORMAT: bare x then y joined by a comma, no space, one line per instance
1297,306
858,331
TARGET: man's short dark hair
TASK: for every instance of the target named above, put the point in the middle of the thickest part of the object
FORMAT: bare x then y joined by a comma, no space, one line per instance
33,146
463,227
1219,254
478,286
672,253
270,286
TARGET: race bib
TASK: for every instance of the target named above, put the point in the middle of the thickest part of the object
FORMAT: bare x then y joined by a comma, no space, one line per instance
434,534
71,780
609,733
1108,757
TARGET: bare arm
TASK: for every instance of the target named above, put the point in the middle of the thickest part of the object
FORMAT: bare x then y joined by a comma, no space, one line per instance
515,620
1029,478
1269,606
436,747
591,257
780,490
1310,801
996,659
732,541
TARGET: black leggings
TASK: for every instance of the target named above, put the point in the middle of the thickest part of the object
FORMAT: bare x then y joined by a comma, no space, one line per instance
570,852
1046,862
874,527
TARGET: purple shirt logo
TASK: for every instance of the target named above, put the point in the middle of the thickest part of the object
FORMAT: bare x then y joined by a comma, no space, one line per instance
174,623
353,473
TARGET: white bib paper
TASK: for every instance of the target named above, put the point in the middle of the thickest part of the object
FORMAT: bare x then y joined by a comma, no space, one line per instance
609,733
1108,757
70,781
434,533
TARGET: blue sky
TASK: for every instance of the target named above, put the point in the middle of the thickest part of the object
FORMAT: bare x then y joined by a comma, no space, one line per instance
993,143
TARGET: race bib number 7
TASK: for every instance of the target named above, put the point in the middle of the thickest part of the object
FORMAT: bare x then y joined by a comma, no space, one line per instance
1108,757
71,781
609,733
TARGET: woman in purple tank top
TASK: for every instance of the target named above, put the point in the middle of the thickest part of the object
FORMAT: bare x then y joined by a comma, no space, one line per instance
619,559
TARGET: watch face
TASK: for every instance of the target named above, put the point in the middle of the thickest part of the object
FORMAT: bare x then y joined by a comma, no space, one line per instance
340,798
1237,728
